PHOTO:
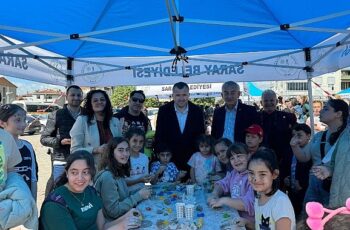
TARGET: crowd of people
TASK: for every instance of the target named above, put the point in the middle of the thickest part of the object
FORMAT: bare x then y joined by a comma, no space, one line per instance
266,164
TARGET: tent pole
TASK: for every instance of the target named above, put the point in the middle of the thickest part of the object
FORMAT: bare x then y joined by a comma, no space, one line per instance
70,77
311,111
308,69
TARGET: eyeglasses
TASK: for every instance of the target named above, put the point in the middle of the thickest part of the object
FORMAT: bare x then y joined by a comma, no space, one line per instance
134,99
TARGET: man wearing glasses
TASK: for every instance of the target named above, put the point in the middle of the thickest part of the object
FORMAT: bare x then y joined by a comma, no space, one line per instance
132,115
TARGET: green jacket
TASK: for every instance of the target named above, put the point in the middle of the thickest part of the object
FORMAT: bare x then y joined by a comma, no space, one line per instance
340,188
115,195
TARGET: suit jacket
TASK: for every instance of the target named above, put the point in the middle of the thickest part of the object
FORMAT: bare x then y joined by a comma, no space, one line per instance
277,128
246,116
168,133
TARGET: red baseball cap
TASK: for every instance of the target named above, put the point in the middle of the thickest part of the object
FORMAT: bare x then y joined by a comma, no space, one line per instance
255,129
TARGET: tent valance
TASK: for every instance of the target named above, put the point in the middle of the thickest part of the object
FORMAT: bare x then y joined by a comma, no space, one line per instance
110,42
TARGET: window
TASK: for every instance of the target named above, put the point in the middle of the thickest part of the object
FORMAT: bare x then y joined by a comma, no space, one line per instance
297,86
37,96
331,80
345,85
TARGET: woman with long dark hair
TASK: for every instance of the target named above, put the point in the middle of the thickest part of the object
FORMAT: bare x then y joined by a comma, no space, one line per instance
96,126
321,147
110,181
74,204
337,169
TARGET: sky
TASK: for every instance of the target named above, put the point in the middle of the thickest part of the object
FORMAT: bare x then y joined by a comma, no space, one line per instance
25,86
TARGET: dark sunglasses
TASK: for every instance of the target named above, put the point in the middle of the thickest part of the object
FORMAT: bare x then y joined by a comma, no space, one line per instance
134,99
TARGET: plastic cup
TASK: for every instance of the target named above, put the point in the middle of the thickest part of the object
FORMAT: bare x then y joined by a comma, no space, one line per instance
190,190
180,210
189,210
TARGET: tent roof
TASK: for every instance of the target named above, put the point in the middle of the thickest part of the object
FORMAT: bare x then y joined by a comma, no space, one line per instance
204,22
134,38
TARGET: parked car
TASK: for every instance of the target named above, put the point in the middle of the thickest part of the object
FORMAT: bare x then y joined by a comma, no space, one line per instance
43,120
33,125
34,107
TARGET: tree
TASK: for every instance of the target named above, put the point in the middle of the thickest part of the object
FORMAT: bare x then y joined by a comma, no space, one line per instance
120,95
152,102
205,101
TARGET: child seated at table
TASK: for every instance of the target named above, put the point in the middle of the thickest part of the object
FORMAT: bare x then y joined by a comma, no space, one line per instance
203,162
139,162
220,146
164,170
235,184
254,135
110,182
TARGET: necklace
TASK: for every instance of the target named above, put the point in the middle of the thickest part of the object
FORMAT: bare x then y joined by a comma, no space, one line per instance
80,201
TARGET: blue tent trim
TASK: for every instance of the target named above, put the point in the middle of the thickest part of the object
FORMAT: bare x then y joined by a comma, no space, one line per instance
253,90
345,91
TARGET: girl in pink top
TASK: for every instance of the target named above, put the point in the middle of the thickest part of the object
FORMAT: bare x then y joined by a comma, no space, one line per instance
235,184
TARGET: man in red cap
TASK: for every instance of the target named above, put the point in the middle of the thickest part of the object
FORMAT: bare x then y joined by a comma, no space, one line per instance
253,137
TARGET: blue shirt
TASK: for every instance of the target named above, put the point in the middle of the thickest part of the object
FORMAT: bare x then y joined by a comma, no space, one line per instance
230,120
169,174
181,117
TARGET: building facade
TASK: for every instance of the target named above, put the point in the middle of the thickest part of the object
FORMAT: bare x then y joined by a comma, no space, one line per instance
7,90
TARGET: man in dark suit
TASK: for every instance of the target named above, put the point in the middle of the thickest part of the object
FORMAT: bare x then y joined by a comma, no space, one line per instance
232,119
179,123
277,126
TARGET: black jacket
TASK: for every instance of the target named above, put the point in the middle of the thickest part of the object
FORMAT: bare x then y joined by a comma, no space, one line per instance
58,125
246,116
168,133
277,128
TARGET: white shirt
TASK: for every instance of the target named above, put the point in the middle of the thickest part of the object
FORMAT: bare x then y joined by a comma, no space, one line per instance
139,168
181,117
277,207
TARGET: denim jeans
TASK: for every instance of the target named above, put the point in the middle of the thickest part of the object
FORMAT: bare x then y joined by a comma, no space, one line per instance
315,192
58,169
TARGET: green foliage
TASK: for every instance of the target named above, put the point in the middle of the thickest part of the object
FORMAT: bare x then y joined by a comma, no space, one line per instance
120,95
152,102
206,101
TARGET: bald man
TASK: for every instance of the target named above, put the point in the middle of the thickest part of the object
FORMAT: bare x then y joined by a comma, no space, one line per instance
277,126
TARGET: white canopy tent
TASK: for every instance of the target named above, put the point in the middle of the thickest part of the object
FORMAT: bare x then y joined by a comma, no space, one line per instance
110,42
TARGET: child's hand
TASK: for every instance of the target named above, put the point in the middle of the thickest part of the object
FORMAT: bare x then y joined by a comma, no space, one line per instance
145,193
216,203
215,177
241,222
161,169
294,141
211,197
321,172
147,178
132,219
182,174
